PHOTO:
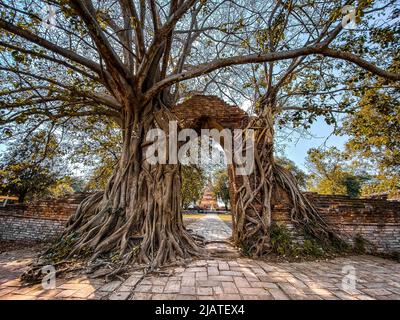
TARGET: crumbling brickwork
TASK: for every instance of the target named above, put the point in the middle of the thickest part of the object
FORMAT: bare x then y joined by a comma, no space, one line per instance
44,220
29,229
377,221
200,110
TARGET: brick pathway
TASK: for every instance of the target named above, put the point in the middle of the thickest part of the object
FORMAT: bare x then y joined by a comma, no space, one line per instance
239,278
211,227
226,276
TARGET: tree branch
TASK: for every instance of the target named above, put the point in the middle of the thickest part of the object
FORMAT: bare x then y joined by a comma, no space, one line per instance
86,10
351,57
206,68
49,58
50,46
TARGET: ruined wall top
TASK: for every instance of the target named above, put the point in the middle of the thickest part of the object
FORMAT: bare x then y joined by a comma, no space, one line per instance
198,110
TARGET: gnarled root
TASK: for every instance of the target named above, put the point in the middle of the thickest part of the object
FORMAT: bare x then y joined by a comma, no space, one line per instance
253,213
253,203
303,213
149,229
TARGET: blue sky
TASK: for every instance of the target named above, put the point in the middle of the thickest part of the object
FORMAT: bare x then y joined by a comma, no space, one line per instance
320,135
296,150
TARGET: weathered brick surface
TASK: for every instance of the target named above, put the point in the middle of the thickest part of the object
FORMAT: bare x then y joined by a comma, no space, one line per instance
376,220
201,111
376,278
21,228
43,220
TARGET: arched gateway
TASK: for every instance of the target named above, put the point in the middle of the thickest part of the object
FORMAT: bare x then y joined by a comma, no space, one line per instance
255,194
211,112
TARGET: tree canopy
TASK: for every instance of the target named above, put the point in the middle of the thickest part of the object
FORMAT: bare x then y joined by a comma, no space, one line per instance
106,51
94,63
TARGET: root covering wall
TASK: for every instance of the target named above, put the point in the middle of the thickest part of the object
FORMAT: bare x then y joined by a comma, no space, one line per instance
376,221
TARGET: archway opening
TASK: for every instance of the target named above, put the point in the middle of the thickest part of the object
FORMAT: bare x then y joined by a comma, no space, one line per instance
200,112
206,192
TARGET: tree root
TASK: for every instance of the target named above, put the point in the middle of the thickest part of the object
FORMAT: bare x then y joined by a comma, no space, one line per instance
253,207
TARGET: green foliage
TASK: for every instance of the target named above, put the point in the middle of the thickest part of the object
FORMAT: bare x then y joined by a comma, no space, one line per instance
193,182
359,244
331,173
100,174
382,183
61,249
374,134
311,248
245,249
281,240
396,255
64,186
98,147
29,169
221,187
283,244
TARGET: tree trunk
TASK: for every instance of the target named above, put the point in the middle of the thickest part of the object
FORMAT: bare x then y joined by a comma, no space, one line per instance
138,215
252,216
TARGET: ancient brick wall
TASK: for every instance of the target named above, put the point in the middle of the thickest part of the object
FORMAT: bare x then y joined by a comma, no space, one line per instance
29,229
376,221
43,220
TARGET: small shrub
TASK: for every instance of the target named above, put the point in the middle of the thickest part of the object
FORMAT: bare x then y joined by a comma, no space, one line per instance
245,249
281,240
395,255
359,244
311,248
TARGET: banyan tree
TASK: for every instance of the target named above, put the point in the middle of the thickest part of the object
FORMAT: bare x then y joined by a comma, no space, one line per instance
131,62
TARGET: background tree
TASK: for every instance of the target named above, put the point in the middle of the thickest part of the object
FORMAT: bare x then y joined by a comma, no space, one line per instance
374,135
125,61
27,170
94,151
193,182
331,173
65,186
221,187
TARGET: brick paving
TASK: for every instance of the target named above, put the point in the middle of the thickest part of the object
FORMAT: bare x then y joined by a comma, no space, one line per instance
211,227
238,278
232,277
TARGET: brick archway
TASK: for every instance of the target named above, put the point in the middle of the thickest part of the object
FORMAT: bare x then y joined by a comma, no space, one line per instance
202,112
211,112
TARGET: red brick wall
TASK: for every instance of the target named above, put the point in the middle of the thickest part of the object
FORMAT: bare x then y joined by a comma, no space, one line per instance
377,221
40,221
59,209
195,111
